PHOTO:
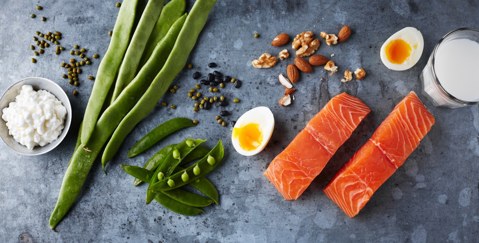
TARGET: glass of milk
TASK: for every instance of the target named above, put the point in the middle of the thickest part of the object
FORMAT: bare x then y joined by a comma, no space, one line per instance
451,76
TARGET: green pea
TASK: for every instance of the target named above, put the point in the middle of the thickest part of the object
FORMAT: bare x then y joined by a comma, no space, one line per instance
176,154
185,177
171,183
190,143
196,170
161,175
211,160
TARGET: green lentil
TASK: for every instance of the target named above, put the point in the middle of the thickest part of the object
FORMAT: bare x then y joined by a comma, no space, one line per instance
164,103
96,56
33,16
75,92
44,19
38,7
236,100
118,4
42,51
196,122
196,109
215,89
76,84
256,35
34,60
198,86
173,107
110,33
222,85
90,77
36,53
32,47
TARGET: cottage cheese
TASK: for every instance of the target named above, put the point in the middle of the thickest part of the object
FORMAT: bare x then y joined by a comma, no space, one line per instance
35,118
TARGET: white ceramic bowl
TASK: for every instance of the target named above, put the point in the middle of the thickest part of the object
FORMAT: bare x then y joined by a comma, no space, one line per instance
37,84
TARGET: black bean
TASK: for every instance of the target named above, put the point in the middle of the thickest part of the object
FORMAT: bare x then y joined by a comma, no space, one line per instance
205,82
212,65
225,113
206,106
224,103
238,84
219,79
218,74
227,79
196,75
211,77
214,83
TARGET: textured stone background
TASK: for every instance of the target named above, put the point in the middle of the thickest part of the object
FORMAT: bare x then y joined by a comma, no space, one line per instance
433,197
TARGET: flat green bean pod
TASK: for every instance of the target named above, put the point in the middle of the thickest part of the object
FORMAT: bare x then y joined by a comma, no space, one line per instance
159,133
171,12
217,153
132,93
176,62
109,66
131,61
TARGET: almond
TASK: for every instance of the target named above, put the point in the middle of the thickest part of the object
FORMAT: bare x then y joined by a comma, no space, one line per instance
303,65
285,100
344,33
284,81
293,73
318,60
289,91
280,40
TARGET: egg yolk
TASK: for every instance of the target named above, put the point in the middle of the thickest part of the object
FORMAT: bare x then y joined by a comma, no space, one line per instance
249,136
397,51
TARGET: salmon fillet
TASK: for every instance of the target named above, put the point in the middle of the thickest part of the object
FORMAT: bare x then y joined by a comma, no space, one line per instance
387,149
293,170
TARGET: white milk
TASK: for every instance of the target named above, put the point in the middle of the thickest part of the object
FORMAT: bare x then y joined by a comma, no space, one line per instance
457,66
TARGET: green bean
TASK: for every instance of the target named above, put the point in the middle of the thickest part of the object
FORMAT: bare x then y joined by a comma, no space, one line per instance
132,93
154,161
176,62
217,152
189,198
169,162
176,206
159,133
171,12
109,66
131,61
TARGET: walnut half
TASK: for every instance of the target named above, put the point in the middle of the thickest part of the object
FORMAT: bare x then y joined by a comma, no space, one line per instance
331,39
283,54
305,44
266,60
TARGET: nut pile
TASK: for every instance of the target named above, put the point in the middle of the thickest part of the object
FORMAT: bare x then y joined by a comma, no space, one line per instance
213,83
305,45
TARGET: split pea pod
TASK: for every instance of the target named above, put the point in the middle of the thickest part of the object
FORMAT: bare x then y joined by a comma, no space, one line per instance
159,133
109,65
131,61
132,93
176,62
183,150
171,12
205,186
176,206
197,170
154,161
138,172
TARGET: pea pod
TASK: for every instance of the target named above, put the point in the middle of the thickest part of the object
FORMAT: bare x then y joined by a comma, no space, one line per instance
159,133
171,12
204,186
109,66
137,172
127,99
176,206
176,62
154,161
188,198
217,153
131,61
168,161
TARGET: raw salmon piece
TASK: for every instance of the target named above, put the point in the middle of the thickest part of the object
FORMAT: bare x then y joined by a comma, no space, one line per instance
293,170
357,181
402,131
390,145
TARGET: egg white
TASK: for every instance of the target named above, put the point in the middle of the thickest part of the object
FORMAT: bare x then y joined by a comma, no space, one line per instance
414,38
264,118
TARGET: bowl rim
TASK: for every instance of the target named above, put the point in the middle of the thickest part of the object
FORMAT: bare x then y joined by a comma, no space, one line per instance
67,122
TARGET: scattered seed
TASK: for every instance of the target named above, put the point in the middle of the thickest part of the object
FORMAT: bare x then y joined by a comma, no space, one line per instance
36,53
90,77
173,107
196,122
44,19
34,60
222,85
110,33
238,84
256,35
32,47
212,65
75,92
96,55
164,103
38,7
76,83
196,75
223,123
236,100
118,4
225,113
42,51
33,16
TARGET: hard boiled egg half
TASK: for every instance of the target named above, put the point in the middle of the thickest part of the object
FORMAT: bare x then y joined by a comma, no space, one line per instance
252,131
403,49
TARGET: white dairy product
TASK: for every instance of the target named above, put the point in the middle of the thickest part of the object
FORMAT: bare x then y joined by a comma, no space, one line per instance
456,63
35,118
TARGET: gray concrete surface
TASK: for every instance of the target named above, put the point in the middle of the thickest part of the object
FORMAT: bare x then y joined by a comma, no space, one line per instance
432,198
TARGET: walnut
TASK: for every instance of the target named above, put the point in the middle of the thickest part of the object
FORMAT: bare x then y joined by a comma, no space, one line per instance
348,76
360,73
283,54
305,44
331,39
331,67
265,61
